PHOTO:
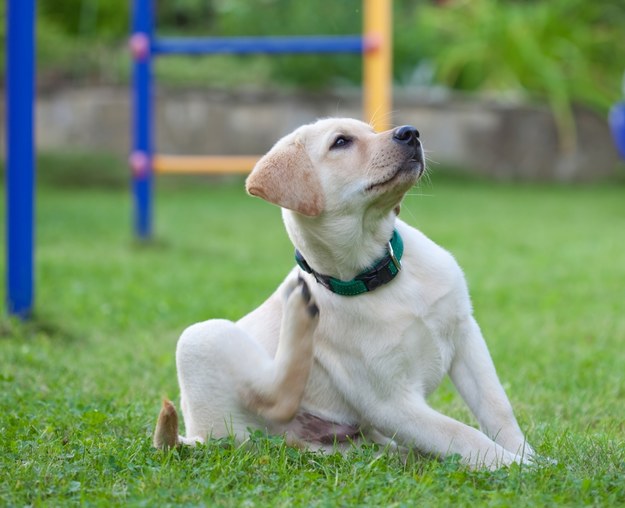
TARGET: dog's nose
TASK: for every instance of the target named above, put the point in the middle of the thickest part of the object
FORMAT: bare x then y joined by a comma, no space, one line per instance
407,135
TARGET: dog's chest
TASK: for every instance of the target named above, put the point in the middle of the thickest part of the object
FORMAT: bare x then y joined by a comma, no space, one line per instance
369,358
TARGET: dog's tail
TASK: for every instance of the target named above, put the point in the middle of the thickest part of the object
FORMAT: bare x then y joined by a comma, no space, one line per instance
166,432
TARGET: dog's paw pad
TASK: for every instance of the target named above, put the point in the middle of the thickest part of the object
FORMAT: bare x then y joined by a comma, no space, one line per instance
299,298
305,289
290,286
313,310
311,306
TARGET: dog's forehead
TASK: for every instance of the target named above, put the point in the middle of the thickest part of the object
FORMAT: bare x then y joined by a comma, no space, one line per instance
315,136
321,130
329,126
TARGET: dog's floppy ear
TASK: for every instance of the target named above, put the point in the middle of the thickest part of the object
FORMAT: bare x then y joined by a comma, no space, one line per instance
286,177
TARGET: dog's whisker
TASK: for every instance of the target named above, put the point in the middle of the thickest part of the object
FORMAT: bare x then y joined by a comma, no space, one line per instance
384,118
418,193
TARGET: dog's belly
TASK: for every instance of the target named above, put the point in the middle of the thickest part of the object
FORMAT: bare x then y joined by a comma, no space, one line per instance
313,429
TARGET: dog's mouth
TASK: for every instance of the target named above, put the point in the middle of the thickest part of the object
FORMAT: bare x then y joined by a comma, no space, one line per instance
411,169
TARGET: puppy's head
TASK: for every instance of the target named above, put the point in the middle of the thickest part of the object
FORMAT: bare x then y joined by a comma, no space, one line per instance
338,165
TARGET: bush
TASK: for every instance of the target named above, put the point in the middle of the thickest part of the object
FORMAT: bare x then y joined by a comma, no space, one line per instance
564,51
88,19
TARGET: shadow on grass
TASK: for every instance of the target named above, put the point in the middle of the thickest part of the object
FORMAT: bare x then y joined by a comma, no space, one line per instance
150,244
13,328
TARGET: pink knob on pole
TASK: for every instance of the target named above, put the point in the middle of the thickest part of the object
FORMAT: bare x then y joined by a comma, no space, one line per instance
373,42
139,46
139,164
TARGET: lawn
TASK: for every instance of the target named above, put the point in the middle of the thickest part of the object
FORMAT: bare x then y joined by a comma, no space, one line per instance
81,384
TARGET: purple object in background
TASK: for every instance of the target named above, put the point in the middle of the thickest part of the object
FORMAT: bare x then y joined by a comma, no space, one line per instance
617,125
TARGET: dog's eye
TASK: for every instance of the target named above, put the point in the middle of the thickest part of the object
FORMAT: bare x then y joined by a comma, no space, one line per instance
341,142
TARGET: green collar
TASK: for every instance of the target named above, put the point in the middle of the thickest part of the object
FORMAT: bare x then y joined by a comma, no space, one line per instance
381,272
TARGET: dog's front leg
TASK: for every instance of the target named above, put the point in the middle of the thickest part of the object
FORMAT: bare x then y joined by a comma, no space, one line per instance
414,424
473,373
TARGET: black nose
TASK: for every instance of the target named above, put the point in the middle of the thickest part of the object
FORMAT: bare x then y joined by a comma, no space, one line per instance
406,134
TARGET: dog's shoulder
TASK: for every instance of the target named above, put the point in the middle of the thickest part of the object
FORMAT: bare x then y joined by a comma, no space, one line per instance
427,256
432,269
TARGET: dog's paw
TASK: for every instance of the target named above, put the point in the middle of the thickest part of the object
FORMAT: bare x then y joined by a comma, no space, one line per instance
311,305
297,296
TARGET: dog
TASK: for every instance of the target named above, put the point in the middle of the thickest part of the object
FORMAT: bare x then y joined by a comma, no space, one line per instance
361,331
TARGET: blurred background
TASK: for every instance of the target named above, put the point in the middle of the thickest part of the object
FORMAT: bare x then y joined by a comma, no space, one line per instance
512,89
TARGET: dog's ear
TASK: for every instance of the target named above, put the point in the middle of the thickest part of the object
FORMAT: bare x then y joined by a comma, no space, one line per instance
286,177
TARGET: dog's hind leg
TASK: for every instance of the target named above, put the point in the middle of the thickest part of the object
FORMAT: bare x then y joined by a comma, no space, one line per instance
278,393
230,383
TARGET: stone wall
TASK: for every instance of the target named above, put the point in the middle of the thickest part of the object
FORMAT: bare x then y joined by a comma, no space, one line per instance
503,140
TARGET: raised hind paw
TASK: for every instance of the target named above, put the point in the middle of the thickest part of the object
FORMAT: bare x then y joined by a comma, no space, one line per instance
297,297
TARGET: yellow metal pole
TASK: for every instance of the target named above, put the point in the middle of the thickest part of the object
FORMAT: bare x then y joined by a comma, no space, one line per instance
219,164
377,65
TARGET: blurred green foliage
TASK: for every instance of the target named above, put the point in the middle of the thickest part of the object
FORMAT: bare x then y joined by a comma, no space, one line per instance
89,19
563,51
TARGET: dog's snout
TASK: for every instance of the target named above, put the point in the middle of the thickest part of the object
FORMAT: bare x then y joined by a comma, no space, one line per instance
406,134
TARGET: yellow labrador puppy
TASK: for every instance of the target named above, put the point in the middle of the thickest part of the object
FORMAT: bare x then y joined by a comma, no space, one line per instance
361,332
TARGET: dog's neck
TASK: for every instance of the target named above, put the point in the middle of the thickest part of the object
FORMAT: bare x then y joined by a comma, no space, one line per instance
340,247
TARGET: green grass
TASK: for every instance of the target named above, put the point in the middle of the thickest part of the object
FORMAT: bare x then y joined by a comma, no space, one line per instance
80,385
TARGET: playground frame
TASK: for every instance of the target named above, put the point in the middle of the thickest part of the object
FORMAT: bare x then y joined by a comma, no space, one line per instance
374,44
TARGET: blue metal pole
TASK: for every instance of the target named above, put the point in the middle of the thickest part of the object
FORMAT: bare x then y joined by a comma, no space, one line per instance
20,175
141,156
254,45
